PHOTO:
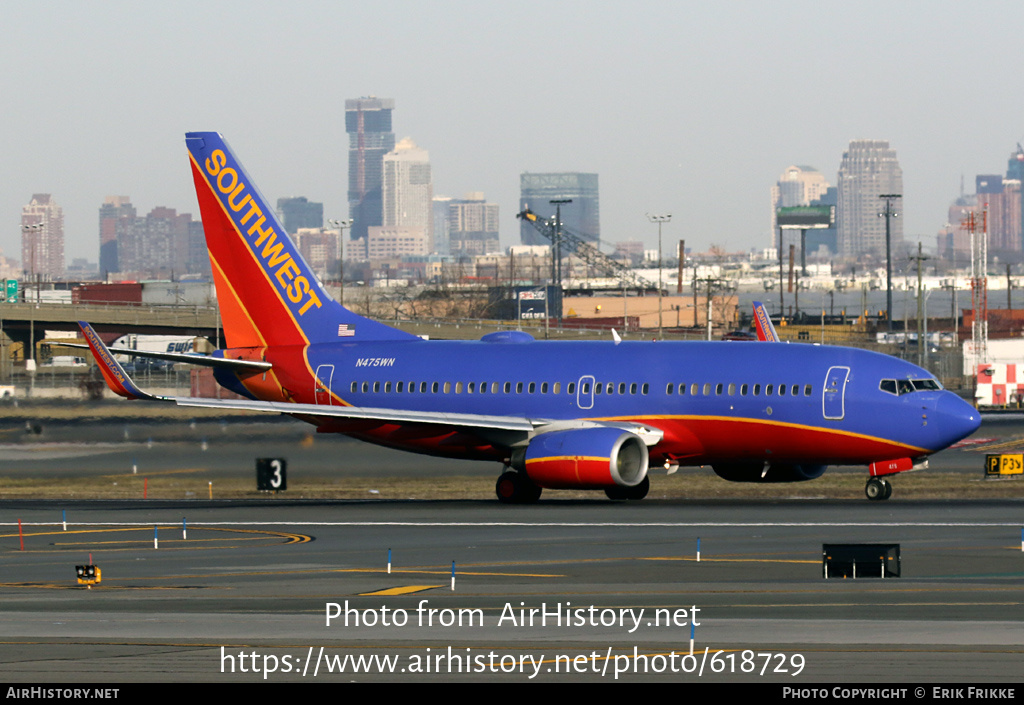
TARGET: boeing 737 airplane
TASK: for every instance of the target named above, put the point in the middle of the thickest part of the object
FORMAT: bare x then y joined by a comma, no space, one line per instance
590,415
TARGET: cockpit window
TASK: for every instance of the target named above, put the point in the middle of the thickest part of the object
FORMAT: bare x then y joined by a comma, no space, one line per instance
900,387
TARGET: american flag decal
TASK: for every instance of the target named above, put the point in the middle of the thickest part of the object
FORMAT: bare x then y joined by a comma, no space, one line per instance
346,331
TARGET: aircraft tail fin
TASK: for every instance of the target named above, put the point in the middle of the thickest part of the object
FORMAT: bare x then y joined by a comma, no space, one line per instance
267,293
763,324
113,374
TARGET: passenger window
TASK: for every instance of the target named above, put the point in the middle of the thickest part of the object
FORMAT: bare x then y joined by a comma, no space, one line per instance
669,388
494,387
732,389
598,387
366,387
707,389
571,389
508,388
387,387
434,387
682,389
557,388
544,388
743,390
768,390
757,390
458,387
718,388
447,387
632,388
355,386
519,387
586,388
795,391
622,387
782,390
423,388
644,388
533,387
807,390
400,387
611,388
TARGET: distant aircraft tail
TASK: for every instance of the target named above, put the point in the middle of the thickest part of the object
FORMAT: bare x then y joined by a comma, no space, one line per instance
763,324
267,294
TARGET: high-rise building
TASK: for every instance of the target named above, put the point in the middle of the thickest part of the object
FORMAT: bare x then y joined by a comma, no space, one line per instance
368,123
868,170
113,209
582,216
156,246
441,235
408,189
473,226
299,212
42,238
1000,199
319,247
798,186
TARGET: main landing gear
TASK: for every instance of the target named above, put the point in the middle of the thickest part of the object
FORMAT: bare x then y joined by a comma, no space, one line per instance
516,488
878,489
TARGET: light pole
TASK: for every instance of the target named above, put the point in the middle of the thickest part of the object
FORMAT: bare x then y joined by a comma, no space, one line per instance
659,219
888,214
341,225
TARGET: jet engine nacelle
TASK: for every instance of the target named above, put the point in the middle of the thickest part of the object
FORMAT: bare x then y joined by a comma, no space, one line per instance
776,472
584,458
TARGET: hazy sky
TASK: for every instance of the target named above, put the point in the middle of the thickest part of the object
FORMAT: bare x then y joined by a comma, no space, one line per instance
691,108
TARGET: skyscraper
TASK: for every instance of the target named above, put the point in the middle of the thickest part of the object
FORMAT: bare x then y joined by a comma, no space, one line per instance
473,226
300,212
868,170
368,123
113,209
797,186
582,216
408,189
42,238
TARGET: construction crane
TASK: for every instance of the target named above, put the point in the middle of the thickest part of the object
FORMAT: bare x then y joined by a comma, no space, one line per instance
560,236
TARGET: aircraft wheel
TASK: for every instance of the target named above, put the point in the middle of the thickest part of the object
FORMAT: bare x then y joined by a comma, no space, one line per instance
888,489
875,489
516,488
639,491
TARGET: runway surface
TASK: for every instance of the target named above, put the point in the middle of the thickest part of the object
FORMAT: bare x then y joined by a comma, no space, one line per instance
245,596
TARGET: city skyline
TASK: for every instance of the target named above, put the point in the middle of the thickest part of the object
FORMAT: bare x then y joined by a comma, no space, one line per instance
716,122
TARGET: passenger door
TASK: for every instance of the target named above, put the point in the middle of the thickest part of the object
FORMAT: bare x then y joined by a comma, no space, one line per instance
322,384
833,396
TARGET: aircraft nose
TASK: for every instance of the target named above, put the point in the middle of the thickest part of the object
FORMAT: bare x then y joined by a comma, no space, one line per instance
956,418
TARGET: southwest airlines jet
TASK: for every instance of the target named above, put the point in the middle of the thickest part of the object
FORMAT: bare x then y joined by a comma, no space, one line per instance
582,415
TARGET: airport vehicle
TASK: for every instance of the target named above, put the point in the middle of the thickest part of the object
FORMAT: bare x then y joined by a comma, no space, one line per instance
593,415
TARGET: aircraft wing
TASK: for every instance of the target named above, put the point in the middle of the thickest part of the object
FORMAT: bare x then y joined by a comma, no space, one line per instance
190,358
763,324
121,384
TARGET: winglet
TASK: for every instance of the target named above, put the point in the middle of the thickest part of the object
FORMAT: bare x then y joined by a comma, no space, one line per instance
763,324
114,375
